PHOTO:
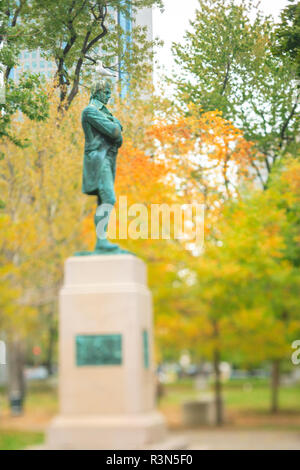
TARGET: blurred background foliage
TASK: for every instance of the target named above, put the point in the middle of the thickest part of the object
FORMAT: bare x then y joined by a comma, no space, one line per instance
229,139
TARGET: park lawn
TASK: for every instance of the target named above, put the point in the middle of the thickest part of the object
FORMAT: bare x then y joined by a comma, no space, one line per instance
257,399
28,429
16,440
250,395
247,403
41,399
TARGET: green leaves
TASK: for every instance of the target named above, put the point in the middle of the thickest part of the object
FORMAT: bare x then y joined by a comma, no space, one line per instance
76,33
248,280
27,95
72,34
226,63
288,34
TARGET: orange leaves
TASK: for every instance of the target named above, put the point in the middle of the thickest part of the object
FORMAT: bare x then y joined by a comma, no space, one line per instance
175,136
138,173
206,151
210,135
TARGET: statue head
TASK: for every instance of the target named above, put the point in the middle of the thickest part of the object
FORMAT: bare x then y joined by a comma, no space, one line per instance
101,90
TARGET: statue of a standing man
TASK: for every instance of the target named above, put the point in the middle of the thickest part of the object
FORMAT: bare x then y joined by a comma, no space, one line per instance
103,138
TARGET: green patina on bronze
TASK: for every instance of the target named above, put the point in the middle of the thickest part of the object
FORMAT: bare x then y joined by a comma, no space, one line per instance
146,349
103,138
99,350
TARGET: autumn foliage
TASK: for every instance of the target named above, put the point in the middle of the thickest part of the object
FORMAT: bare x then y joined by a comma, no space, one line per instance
206,302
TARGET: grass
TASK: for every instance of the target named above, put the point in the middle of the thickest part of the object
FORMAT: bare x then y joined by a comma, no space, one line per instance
41,397
27,430
248,395
247,404
258,398
16,440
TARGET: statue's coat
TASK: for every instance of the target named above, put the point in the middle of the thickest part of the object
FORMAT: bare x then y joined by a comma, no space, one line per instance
102,139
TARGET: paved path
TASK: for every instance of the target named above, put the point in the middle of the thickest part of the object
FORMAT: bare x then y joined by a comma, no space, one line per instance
242,440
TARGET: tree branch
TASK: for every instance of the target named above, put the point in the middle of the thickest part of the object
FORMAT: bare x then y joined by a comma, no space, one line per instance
286,123
86,46
253,164
226,77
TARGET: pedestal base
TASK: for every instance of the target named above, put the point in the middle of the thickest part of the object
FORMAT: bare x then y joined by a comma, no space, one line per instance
106,367
106,432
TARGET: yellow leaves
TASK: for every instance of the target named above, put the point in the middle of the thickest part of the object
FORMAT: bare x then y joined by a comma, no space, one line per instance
179,160
246,283
265,335
251,319
289,181
44,207
13,314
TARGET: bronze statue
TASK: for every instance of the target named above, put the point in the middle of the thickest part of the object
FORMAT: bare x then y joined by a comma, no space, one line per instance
103,138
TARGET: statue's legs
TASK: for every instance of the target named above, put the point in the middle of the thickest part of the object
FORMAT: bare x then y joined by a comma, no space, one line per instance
106,202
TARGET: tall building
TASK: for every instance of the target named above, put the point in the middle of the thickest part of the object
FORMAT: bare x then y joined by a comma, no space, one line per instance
144,18
33,62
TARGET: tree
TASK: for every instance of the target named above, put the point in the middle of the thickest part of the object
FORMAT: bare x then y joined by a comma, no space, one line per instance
73,34
240,299
76,33
27,96
207,303
208,158
226,63
17,318
285,191
40,184
288,33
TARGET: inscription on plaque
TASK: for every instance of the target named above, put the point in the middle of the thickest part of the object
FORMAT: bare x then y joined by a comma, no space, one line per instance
146,348
98,350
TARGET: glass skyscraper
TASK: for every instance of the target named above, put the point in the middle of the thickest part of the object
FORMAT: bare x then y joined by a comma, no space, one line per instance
33,62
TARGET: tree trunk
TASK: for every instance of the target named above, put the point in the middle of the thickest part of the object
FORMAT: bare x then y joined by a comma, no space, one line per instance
218,389
275,383
16,377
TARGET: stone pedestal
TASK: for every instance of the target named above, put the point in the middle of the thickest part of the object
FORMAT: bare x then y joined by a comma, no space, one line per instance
106,370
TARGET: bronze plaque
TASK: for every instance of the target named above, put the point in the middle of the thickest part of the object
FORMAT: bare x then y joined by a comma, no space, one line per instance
146,349
99,350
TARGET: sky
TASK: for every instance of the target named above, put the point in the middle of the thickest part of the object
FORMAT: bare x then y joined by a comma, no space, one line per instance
171,25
